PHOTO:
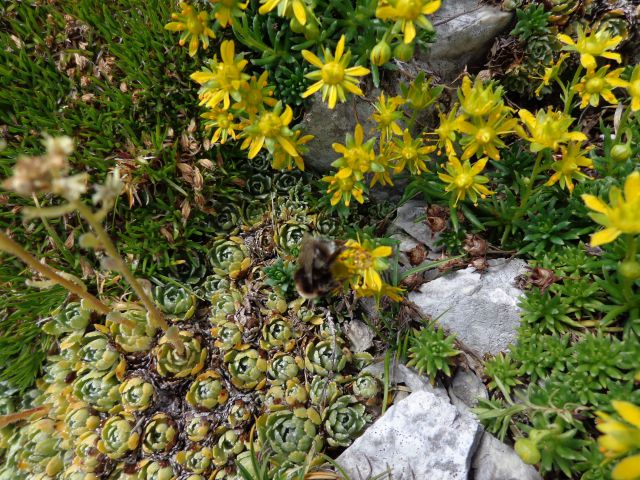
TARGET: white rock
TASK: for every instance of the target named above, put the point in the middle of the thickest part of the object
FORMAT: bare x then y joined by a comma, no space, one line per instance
466,388
421,437
400,374
496,461
481,309
410,219
465,30
360,335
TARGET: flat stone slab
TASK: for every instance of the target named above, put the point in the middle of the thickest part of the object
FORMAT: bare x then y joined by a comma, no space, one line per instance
421,437
496,461
480,308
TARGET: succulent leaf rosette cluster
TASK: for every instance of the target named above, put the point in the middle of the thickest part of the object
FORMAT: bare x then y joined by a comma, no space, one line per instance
125,403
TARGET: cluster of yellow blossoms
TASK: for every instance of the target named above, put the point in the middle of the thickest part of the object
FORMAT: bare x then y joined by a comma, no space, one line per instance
360,265
243,107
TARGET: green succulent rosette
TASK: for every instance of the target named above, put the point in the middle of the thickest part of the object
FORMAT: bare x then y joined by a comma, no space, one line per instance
253,212
344,420
88,456
80,419
224,304
130,330
239,414
259,185
361,360
305,313
286,182
326,356
291,434
188,266
198,428
283,367
227,217
274,398
137,394
323,391
98,354
176,301
365,387
39,451
212,284
60,366
277,333
227,447
171,363
197,459
230,257
228,335
276,302
288,236
247,369
118,437
154,470
207,391
160,434
295,394
70,318
98,389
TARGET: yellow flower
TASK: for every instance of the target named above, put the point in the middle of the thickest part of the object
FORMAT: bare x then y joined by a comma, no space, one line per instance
387,116
408,13
282,160
223,79
465,179
592,45
410,153
622,216
634,89
480,99
344,185
193,25
362,263
596,84
222,122
356,154
333,77
255,94
269,129
286,8
567,166
548,129
446,132
225,10
620,438
483,136
551,73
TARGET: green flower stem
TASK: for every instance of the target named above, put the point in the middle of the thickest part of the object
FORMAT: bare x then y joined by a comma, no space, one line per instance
569,92
54,235
156,317
530,188
9,246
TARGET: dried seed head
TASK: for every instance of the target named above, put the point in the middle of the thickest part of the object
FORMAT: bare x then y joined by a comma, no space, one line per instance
475,246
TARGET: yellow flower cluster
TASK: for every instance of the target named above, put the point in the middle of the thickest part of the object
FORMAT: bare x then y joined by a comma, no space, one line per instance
360,264
243,107
621,438
473,129
194,27
398,150
407,15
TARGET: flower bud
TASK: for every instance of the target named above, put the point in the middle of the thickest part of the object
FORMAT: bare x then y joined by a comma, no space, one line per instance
621,152
527,450
296,26
381,53
404,51
311,30
630,269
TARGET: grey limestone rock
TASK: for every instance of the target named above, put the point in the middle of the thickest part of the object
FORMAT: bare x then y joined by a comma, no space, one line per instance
496,461
465,30
481,309
421,437
360,335
466,388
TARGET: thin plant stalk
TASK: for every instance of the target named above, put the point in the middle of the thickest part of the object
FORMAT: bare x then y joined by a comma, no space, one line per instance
156,317
9,246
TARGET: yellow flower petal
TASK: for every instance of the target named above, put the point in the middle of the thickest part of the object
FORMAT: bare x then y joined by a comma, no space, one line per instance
627,410
627,469
604,236
312,58
632,190
383,251
594,203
